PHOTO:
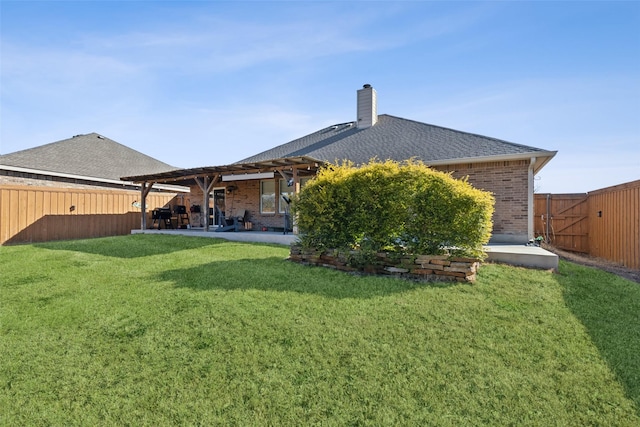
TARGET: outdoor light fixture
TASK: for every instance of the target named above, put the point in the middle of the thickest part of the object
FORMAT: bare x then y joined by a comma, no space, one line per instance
246,176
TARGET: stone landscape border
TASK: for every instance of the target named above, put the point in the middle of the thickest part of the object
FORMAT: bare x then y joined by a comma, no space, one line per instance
420,267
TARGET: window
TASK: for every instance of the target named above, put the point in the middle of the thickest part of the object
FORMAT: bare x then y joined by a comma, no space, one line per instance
268,197
284,191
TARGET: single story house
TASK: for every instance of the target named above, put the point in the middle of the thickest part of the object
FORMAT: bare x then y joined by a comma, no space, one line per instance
255,186
82,161
71,189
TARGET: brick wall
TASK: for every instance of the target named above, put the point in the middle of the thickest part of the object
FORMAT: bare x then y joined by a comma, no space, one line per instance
246,195
508,181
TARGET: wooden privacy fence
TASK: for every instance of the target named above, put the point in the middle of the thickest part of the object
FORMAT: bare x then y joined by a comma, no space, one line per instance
562,219
40,214
604,223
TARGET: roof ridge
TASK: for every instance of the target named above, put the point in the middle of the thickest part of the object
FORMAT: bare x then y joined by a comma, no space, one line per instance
463,132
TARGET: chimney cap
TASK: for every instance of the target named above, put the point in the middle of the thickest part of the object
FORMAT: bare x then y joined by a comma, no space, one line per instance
366,86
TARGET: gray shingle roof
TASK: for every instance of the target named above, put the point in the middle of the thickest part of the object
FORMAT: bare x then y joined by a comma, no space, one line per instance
397,139
90,155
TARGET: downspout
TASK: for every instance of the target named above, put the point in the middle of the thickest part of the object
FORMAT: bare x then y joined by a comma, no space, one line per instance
530,201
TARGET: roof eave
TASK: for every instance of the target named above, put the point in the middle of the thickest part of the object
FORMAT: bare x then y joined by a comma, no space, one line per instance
248,167
542,158
87,178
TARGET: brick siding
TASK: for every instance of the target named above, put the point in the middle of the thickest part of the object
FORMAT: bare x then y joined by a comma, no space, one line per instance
508,181
245,196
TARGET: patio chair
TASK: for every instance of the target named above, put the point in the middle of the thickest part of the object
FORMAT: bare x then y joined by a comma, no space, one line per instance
232,222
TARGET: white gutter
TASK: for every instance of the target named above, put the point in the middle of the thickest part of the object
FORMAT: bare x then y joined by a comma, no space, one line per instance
530,198
541,155
175,188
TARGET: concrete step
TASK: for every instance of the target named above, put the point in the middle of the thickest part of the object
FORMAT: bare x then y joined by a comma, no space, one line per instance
522,255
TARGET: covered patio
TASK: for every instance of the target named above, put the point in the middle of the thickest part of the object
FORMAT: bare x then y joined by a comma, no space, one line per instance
243,185
254,193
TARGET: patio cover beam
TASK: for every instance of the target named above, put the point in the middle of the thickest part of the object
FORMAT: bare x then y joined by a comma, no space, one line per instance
306,165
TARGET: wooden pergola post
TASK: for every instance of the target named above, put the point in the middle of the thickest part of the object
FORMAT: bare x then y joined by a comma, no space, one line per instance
206,185
144,191
296,190
205,203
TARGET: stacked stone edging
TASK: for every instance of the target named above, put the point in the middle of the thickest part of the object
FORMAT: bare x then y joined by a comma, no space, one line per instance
422,267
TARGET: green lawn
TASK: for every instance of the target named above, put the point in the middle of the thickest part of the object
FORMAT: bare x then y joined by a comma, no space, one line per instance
169,330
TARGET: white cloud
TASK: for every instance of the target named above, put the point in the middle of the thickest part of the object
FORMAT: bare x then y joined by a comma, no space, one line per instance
217,84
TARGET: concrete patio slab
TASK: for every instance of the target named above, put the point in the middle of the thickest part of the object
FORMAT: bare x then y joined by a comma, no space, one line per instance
522,255
519,255
241,236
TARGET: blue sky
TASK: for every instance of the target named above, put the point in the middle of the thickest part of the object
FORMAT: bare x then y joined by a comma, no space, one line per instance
208,83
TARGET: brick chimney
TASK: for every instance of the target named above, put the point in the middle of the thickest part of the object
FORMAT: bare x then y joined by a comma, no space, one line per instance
367,107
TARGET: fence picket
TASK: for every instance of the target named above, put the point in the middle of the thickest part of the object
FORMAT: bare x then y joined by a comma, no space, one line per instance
611,215
37,214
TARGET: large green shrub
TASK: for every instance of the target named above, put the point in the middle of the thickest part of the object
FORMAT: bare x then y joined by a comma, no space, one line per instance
389,206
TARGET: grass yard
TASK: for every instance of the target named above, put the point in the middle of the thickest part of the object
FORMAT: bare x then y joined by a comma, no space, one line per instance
170,330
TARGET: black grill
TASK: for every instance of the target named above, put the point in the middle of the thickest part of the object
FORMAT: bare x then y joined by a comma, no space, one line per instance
161,213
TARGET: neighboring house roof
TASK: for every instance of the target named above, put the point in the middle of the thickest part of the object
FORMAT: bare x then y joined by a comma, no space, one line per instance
399,139
90,155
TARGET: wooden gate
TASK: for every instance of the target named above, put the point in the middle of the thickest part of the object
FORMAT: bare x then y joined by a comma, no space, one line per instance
604,223
563,220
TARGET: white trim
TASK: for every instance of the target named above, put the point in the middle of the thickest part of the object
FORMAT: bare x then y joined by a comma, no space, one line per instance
247,176
176,188
541,155
530,198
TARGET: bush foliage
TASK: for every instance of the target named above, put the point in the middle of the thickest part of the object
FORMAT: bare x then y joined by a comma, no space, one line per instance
389,206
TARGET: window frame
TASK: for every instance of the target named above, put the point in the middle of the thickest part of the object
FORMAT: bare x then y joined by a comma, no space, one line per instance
263,194
282,205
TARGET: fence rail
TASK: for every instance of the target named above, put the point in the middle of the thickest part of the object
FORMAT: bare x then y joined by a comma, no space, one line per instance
604,223
563,220
39,214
